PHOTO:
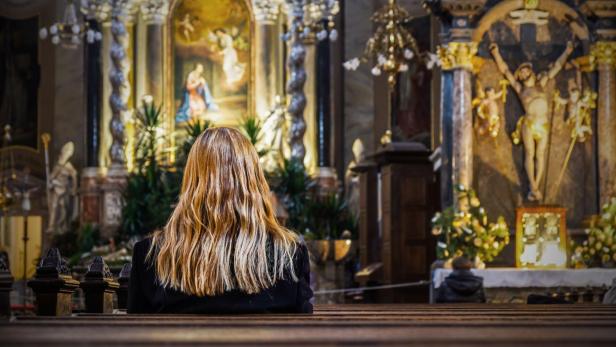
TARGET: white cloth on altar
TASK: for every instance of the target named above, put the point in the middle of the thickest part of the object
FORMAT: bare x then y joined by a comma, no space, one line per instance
526,278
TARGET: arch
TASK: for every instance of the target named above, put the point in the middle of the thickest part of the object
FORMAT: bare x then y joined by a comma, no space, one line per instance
557,9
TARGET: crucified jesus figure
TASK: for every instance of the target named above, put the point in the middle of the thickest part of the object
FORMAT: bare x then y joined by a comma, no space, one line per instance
534,125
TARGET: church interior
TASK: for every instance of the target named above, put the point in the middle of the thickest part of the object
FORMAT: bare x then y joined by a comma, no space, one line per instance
404,141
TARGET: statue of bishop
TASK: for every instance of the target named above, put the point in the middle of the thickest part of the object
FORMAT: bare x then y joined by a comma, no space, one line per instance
62,187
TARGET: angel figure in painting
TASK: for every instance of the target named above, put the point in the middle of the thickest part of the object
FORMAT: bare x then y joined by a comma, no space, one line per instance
233,69
486,104
196,97
533,127
187,27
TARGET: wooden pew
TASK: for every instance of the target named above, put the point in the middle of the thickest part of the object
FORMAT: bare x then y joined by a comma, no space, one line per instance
361,324
434,325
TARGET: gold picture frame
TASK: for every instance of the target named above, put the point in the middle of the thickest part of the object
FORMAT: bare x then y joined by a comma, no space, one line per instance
541,237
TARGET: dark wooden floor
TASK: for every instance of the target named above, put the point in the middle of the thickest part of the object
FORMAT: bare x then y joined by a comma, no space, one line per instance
435,325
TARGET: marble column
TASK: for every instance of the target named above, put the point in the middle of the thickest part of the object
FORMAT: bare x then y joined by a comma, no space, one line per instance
456,55
457,58
605,58
268,56
154,14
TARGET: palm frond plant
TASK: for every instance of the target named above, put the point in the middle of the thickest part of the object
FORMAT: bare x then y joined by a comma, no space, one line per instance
152,189
329,217
293,185
193,130
252,128
148,122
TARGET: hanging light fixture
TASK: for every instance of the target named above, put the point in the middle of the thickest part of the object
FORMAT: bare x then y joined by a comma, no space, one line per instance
392,46
69,33
318,18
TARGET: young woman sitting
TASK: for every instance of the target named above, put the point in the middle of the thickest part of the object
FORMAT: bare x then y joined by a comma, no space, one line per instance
222,250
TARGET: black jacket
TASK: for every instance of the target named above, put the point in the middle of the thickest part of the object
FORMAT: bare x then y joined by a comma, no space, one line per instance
146,295
461,286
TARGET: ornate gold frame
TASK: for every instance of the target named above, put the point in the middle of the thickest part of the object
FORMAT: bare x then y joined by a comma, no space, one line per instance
168,66
562,232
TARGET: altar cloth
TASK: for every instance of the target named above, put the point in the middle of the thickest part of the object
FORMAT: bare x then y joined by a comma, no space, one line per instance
526,278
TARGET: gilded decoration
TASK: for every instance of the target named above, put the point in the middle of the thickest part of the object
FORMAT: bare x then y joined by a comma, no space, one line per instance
534,144
266,11
604,52
155,11
457,55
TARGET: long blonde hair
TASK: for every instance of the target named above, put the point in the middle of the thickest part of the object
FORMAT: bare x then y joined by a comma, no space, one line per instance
223,234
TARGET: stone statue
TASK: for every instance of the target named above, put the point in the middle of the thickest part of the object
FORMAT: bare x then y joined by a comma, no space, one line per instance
62,186
351,179
534,125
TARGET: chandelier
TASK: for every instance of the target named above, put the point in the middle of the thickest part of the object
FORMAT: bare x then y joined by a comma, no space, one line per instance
318,19
70,32
392,46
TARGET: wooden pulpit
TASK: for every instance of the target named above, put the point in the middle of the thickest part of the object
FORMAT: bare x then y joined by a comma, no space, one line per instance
399,196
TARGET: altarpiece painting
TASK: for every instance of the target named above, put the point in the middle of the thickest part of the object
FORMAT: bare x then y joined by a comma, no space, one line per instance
212,61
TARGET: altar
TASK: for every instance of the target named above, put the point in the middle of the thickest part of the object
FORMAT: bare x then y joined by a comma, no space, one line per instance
513,285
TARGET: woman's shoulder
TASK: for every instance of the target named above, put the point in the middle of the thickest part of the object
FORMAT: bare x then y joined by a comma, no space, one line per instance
302,257
141,248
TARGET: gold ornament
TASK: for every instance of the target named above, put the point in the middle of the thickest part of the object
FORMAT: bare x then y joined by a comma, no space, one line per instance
604,53
457,55
392,46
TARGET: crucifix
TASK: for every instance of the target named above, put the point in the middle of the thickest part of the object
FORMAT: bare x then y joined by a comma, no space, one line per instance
533,128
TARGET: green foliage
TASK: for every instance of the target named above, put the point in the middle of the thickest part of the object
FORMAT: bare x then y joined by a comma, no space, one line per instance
152,189
309,214
292,184
252,128
599,248
329,217
149,201
193,130
148,124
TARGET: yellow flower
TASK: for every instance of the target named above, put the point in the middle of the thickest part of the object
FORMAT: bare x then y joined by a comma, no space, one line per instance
436,231
605,258
475,202
598,246
477,242
578,250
